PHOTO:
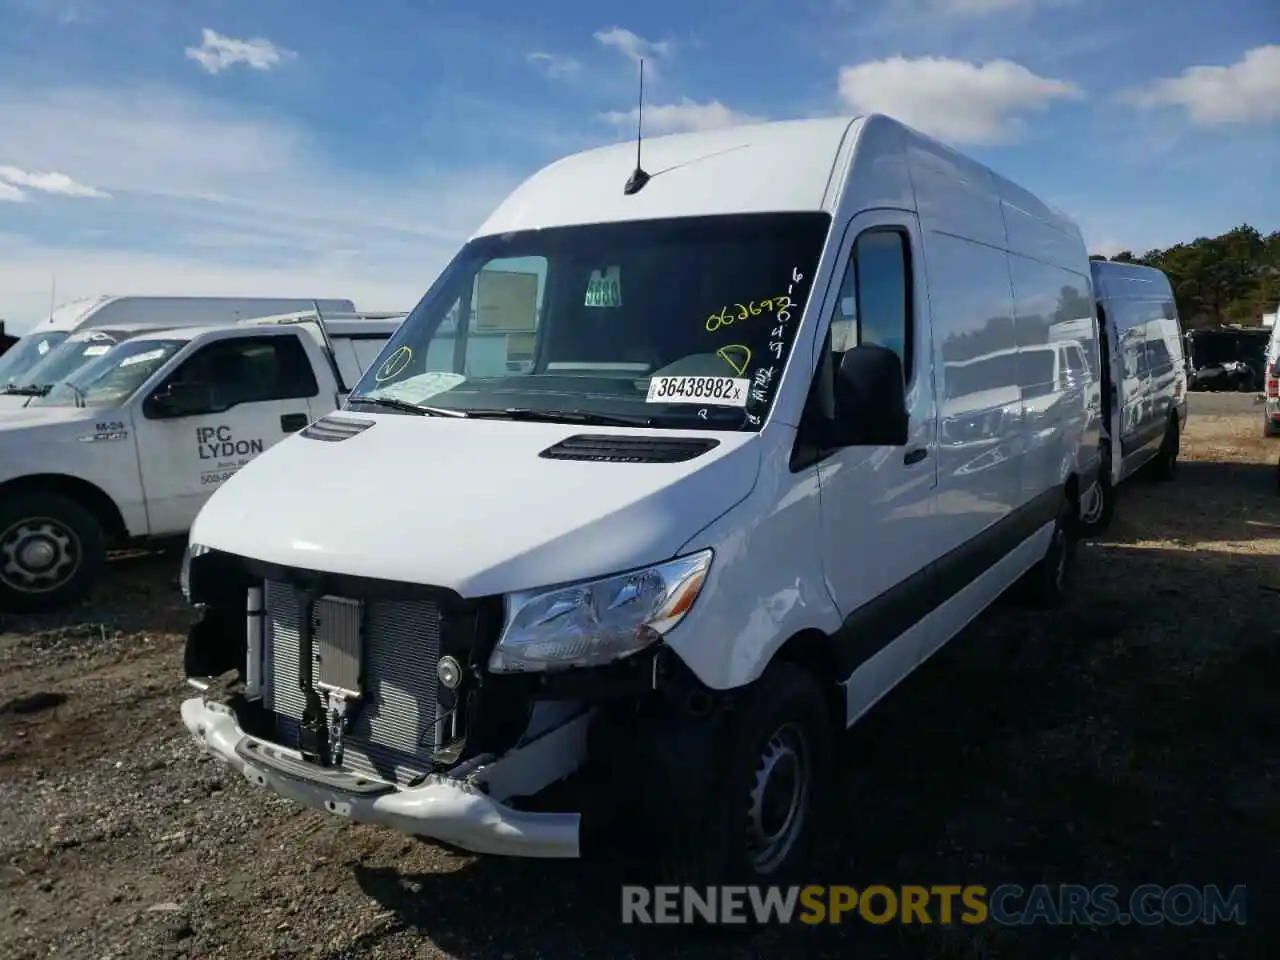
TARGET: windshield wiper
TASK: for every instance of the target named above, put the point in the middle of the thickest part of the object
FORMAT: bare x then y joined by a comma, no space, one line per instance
392,403
563,416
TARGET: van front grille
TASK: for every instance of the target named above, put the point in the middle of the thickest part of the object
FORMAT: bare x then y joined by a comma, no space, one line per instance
393,735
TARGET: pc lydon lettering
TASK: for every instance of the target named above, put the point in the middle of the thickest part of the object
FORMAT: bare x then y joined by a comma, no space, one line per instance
216,443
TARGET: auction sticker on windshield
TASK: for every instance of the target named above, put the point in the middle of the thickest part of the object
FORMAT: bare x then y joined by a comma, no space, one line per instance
708,391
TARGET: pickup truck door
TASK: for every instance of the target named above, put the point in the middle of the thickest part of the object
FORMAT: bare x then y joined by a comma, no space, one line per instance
229,400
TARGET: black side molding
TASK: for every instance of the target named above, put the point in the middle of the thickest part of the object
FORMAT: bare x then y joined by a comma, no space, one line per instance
880,621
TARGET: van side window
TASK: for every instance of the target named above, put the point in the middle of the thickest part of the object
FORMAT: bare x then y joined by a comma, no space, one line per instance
251,370
874,305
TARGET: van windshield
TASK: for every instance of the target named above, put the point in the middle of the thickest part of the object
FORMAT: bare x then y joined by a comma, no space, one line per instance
674,323
26,353
109,380
65,358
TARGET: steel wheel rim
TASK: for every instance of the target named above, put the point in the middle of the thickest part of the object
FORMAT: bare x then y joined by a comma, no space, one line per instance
779,799
38,555
1093,503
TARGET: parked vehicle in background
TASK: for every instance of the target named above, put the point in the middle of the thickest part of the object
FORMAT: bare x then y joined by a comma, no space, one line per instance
1271,395
157,312
130,445
1145,383
78,349
729,492
1227,358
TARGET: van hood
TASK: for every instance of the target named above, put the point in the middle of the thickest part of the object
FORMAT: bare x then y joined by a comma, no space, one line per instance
470,505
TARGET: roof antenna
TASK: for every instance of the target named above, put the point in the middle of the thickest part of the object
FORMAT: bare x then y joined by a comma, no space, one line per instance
638,177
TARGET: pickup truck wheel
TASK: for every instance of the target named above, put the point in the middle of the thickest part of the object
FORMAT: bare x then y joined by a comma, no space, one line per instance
765,809
50,551
1165,464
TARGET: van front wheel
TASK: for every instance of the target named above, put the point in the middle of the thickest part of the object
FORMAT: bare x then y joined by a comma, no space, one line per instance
50,551
762,814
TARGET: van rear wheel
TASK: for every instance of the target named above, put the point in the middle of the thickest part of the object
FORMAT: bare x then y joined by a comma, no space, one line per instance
1165,464
1097,506
1048,583
51,549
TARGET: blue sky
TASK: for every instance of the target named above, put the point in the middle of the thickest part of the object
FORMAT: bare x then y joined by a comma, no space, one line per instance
330,148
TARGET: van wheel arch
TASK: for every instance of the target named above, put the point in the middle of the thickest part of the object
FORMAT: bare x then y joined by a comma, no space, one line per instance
814,652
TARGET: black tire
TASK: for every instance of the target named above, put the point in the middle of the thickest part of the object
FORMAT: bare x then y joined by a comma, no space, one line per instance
1165,464
783,723
1048,583
51,549
1099,515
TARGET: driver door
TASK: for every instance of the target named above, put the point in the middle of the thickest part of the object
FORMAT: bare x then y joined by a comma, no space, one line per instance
239,396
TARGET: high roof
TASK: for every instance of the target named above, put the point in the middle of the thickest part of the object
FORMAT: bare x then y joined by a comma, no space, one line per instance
767,167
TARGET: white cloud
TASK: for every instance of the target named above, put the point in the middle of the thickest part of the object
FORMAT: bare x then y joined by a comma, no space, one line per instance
954,100
55,183
238,203
217,53
681,117
1248,91
635,47
980,8
556,67
11,194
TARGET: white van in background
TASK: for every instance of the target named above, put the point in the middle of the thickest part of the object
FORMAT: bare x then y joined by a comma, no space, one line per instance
712,511
1271,380
130,445
1145,386
158,312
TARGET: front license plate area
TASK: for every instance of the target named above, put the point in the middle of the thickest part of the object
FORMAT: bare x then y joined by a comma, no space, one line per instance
339,643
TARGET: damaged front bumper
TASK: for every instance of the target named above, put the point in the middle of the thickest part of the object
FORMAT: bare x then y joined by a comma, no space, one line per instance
464,809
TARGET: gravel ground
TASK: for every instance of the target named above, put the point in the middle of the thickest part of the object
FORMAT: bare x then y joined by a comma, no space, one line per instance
1130,738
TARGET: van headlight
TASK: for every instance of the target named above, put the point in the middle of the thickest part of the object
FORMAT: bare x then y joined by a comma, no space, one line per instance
599,621
184,575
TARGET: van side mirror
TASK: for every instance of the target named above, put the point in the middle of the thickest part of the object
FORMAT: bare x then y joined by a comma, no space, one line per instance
182,398
870,395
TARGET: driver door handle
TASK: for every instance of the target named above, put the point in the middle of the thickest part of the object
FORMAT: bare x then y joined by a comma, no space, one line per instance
915,456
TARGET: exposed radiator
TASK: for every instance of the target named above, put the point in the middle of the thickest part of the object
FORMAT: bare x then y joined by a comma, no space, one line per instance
393,735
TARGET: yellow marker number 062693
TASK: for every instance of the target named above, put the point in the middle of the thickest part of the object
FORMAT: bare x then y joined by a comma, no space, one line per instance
727,316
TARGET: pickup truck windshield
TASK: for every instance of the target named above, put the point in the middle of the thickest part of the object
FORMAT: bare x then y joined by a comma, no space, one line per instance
109,380
64,359
26,353
682,323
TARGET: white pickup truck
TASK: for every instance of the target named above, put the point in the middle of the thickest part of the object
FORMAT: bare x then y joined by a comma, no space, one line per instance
158,312
129,446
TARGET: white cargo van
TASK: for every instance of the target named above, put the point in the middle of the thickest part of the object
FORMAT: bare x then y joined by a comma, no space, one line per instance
131,444
158,312
714,509
1145,382
1271,380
